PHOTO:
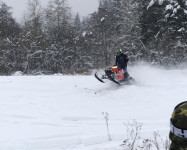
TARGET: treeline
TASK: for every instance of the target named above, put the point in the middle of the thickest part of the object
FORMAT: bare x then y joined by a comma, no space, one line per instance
51,40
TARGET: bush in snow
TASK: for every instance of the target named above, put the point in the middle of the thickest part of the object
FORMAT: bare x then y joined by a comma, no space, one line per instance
134,141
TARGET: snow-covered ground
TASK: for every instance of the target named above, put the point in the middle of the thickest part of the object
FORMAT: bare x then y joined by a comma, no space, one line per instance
65,112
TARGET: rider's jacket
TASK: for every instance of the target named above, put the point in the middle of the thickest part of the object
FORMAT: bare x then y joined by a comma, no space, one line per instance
122,60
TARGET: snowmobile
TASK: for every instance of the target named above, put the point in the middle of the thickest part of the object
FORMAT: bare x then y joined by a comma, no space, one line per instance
114,74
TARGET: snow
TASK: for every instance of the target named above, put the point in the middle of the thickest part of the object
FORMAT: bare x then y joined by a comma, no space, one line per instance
160,2
174,10
181,29
18,73
65,112
84,34
178,7
102,19
185,11
152,2
169,7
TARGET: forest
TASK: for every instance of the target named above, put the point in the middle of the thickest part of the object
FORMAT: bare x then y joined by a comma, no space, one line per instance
52,40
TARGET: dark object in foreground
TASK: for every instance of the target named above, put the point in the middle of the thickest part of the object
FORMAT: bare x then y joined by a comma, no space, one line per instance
178,127
115,75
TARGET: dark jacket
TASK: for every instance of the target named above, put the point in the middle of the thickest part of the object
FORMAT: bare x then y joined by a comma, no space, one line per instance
122,60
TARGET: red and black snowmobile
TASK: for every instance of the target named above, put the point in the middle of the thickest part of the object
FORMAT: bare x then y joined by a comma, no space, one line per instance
116,75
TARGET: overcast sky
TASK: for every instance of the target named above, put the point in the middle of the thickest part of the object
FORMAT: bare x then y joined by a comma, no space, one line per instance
84,7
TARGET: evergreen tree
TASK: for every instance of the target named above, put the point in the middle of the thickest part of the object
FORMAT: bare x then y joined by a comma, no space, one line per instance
32,39
9,31
77,24
58,19
151,20
164,30
176,16
129,35
81,58
60,34
8,26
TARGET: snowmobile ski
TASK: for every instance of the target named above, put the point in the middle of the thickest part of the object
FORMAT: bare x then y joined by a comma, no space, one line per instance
96,76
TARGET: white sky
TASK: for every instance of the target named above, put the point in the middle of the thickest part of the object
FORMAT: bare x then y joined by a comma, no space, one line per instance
84,7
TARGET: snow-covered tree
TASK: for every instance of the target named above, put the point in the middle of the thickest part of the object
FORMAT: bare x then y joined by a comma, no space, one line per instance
8,26
176,16
32,39
58,19
129,35
9,31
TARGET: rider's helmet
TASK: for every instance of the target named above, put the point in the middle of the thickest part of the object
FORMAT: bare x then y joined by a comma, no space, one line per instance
119,51
178,127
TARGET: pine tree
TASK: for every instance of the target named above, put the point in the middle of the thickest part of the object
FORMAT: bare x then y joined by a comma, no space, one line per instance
164,30
176,16
8,26
128,37
58,19
151,20
32,39
60,34
9,31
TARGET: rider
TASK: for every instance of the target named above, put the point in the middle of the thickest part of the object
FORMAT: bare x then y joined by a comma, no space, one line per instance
121,61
